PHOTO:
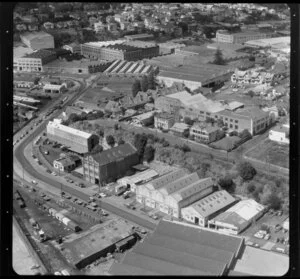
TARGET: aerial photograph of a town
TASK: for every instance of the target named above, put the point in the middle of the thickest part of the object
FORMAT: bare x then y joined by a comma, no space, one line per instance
151,138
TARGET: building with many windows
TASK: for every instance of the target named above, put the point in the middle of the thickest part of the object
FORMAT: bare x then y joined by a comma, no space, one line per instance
173,191
224,36
109,165
75,140
37,40
35,61
204,133
252,77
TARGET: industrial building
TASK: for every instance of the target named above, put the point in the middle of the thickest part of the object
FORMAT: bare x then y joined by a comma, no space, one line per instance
195,76
173,191
186,105
37,40
110,164
205,209
64,164
224,36
238,217
35,61
274,43
23,81
75,140
125,68
253,119
139,37
137,179
181,249
120,50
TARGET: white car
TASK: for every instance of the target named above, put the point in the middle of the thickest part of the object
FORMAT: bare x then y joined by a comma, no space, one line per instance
54,173
34,182
57,273
102,195
259,235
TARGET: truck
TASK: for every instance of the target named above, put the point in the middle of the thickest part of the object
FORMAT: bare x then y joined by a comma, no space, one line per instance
120,190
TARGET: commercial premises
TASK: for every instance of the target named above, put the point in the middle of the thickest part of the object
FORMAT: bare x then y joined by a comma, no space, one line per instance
75,140
174,190
54,88
252,77
35,61
37,40
164,121
253,119
137,179
180,249
23,81
205,209
121,50
186,105
64,164
223,36
194,76
110,164
238,217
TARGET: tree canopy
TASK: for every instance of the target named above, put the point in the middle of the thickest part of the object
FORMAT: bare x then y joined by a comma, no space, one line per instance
110,140
149,153
219,60
136,87
246,170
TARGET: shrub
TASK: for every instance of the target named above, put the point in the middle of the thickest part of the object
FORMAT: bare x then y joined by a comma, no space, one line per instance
149,153
165,144
185,148
110,140
225,182
251,188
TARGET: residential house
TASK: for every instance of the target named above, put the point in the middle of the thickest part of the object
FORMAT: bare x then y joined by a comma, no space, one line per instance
164,120
204,133
179,129
280,134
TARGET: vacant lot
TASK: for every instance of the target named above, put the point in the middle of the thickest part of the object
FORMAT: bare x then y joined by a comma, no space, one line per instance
271,152
226,143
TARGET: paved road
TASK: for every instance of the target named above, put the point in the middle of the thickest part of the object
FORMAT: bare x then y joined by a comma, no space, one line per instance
21,160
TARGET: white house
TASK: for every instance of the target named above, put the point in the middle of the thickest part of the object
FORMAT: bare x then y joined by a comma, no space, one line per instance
280,134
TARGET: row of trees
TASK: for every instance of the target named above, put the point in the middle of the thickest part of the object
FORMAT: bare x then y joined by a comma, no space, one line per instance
145,83
73,117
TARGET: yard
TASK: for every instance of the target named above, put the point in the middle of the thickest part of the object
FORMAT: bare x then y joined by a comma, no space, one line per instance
271,152
226,143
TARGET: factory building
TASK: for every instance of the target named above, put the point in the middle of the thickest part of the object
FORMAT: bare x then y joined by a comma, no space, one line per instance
238,217
75,140
223,36
205,209
35,61
181,249
130,51
37,40
110,164
173,191
54,88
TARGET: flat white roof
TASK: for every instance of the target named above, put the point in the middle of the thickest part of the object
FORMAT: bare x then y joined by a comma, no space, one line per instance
104,43
142,176
270,41
53,86
70,130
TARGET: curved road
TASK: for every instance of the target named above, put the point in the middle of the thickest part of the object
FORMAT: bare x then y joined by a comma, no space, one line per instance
28,168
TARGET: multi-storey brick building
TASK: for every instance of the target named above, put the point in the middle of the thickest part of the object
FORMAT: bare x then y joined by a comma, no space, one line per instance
110,164
164,120
204,133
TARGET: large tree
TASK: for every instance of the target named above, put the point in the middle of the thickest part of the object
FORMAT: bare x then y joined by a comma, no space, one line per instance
110,140
219,60
144,84
149,153
151,80
246,170
226,183
136,87
140,141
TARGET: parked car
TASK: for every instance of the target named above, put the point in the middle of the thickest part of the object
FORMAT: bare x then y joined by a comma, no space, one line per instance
104,213
34,182
267,236
54,173
46,152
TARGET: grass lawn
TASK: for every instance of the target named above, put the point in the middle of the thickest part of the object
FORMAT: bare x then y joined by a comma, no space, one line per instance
278,153
225,143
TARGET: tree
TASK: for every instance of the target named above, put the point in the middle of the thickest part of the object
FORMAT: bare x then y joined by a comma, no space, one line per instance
36,80
186,133
185,148
144,84
245,134
136,87
73,117
151,80
110,140
226,183
251,188
97,149
219,60
188,121
140,141
246,170
220,123
251,93
149,153
121,141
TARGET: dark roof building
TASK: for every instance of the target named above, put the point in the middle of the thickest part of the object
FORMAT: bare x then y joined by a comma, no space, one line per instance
180,249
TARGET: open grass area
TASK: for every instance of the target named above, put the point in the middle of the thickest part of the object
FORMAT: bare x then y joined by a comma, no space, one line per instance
271,152
226,143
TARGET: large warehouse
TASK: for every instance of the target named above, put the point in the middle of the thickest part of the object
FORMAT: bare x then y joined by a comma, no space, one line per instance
181,249
173,191
37,40
120,49
110,164
238,217
75,140
205,209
